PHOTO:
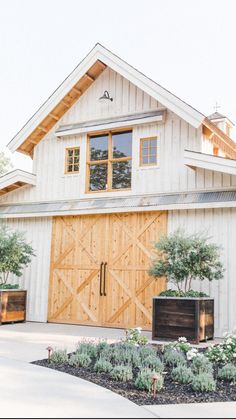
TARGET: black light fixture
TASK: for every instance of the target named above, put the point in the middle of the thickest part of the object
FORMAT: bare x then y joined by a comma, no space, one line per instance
106,96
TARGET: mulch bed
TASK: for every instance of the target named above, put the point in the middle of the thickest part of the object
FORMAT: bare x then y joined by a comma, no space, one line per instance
171,394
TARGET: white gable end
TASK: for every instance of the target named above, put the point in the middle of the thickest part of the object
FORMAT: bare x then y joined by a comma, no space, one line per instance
128,99
106,58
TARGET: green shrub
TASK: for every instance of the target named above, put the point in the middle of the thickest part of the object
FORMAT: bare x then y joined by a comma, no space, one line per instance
153,363
173,358
9,286
144,381
80,360
136,360
126,346
203,383
228,373
127,354
146,351
103,366
201,364
223,353
182,375
122,373
124,354
182,294
102,347
89,349
135,337
59,357
181,345
105,351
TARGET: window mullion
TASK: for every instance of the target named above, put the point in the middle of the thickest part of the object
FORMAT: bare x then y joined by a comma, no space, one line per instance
110,152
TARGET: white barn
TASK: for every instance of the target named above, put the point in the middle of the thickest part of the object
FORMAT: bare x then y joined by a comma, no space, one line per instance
110,176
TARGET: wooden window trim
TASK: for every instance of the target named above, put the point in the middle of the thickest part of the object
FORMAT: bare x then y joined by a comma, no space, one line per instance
142,140
74,172
108,161
216,151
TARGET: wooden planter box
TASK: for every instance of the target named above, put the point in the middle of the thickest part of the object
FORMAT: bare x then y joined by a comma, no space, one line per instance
12,306
192,318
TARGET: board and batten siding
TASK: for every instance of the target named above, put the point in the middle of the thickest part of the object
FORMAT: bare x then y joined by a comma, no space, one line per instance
35,277
174,136
220,225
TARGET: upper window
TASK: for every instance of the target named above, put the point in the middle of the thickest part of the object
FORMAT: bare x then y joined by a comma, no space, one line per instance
72,160
148,152
110,161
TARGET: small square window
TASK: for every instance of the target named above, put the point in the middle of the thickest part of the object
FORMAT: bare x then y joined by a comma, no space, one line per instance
72,160
148,152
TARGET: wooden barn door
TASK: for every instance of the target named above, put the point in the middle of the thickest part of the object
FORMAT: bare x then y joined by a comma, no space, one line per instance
124,244
129,288
78,247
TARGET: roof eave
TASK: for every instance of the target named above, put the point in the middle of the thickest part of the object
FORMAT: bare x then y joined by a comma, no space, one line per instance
196,160
227,144
100,53
15,180
55,98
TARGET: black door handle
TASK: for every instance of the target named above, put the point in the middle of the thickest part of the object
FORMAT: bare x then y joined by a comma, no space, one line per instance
105,278
102,264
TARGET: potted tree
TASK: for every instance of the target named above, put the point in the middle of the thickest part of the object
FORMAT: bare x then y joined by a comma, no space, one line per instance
15,255
183,311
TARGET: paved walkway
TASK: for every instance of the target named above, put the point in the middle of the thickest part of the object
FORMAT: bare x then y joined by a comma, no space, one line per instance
203,410
32,339
29,391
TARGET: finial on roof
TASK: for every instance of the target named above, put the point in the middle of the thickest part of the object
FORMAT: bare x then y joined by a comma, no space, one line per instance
217,107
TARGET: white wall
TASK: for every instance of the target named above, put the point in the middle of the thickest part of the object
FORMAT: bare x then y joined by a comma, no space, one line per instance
174,136
36,276
220,224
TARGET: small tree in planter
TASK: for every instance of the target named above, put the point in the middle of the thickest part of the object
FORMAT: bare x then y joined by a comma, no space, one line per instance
15,255
183,259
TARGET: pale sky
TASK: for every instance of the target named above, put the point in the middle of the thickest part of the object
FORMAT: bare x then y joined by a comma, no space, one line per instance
187,46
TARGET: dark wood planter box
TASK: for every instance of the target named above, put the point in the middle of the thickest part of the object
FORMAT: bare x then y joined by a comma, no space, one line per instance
192,318
12,306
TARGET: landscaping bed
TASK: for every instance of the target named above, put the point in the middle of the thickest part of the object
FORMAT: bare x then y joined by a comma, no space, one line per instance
137,367
171,394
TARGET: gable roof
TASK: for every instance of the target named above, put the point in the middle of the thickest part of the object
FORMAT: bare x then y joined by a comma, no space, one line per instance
79,81
218,116
15,180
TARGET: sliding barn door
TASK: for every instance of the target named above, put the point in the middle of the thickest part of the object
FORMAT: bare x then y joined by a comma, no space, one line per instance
78,248
129,287
99,269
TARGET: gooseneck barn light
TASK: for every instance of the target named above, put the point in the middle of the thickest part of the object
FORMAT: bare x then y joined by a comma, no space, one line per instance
106,96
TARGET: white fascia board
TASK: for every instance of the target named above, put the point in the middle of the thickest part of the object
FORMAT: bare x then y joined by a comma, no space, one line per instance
53,100
209,162
167,99
17,176
111,125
